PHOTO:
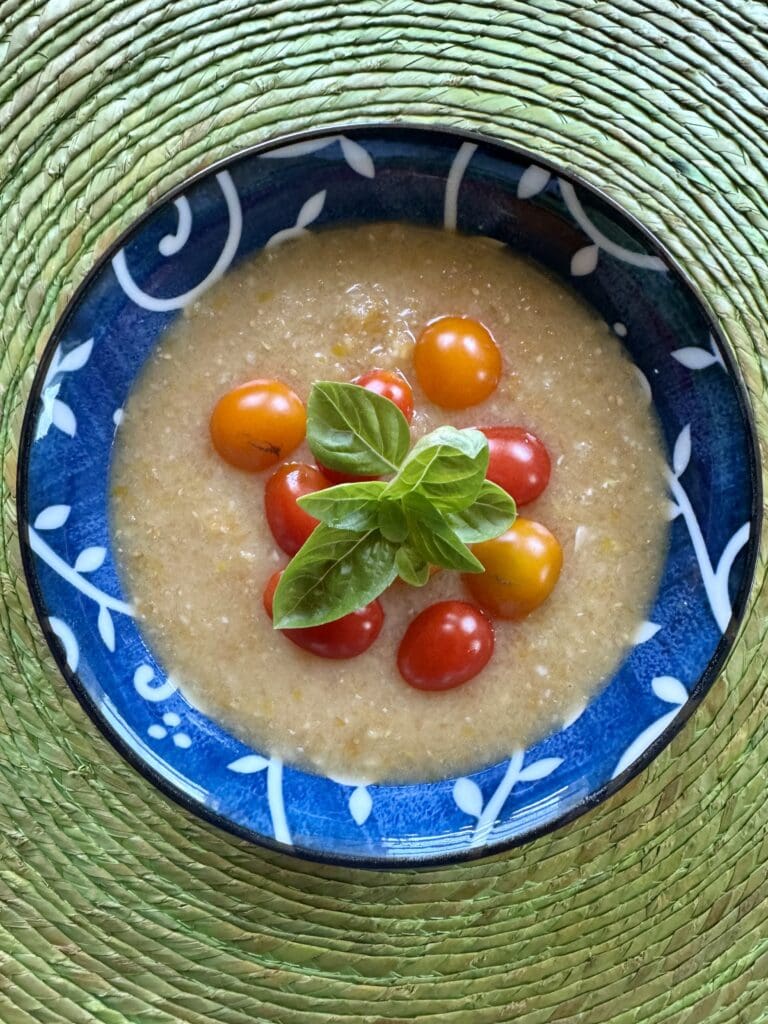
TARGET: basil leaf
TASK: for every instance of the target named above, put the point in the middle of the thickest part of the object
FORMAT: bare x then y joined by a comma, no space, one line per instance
334,573
353,430
492,512
392,521
411,567
446,467
431,537
348,506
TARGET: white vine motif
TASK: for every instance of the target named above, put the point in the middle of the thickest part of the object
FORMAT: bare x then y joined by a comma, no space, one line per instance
309,212
88,560
645,632
171,244
671,691
715,580
171,723
469,798
573,717
585,260
360,802
55,412
642,380
68,642
256,763
143,685
358,158
695,358
533,180
453,182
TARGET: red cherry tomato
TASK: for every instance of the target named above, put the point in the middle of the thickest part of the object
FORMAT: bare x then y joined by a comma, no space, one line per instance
522,567
257,424
289,523
519,462
334,477
389,385
345,638
446,645
457,362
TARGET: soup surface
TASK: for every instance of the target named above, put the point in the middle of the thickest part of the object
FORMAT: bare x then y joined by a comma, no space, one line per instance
196,550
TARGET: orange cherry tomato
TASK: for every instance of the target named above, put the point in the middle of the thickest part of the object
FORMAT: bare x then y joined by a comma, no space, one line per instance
389,385
289,523
257,424
518,462
345,638
522,567
457,362
446,645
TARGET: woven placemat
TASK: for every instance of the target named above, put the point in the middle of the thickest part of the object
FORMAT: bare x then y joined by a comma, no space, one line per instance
116,906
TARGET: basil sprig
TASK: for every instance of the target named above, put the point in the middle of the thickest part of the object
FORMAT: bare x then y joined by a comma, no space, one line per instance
436,502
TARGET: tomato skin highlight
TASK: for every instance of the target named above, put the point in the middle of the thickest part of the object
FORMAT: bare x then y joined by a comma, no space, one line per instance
519,462
457,362
391,385
289,523
345,638
446,645
522,567
257,424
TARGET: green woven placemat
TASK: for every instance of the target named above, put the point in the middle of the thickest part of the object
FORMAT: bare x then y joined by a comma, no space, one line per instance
117,907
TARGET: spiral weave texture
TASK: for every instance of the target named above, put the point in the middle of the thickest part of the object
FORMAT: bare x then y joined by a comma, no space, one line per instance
116,906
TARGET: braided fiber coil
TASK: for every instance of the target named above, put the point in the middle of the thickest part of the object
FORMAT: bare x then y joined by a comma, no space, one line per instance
116,906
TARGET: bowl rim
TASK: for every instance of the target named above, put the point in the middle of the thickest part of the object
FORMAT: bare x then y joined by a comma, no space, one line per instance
375,862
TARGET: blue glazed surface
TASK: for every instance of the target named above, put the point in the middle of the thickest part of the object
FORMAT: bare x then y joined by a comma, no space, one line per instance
429,177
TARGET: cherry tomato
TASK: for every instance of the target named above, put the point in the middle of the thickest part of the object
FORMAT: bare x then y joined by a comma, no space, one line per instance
446,645
519,462
389,385
345,638
289,523
334,477
522,567
257,424
457,362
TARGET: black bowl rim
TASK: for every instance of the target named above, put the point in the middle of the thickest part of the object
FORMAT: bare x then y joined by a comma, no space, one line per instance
594,798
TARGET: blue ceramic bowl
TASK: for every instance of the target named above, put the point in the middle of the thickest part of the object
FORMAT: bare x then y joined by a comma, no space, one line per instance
358,175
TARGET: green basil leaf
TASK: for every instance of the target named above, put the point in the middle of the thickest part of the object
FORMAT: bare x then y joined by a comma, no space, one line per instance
411,567
392,521
446,467
353,430
492,512
347,506
431,537
334,573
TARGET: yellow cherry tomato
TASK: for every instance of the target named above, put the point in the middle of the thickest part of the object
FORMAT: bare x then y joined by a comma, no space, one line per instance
257,424
522,567
457,362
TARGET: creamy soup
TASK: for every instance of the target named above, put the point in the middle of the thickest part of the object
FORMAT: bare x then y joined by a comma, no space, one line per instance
196,550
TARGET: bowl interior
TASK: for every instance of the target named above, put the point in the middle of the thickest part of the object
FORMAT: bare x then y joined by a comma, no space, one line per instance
428,177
